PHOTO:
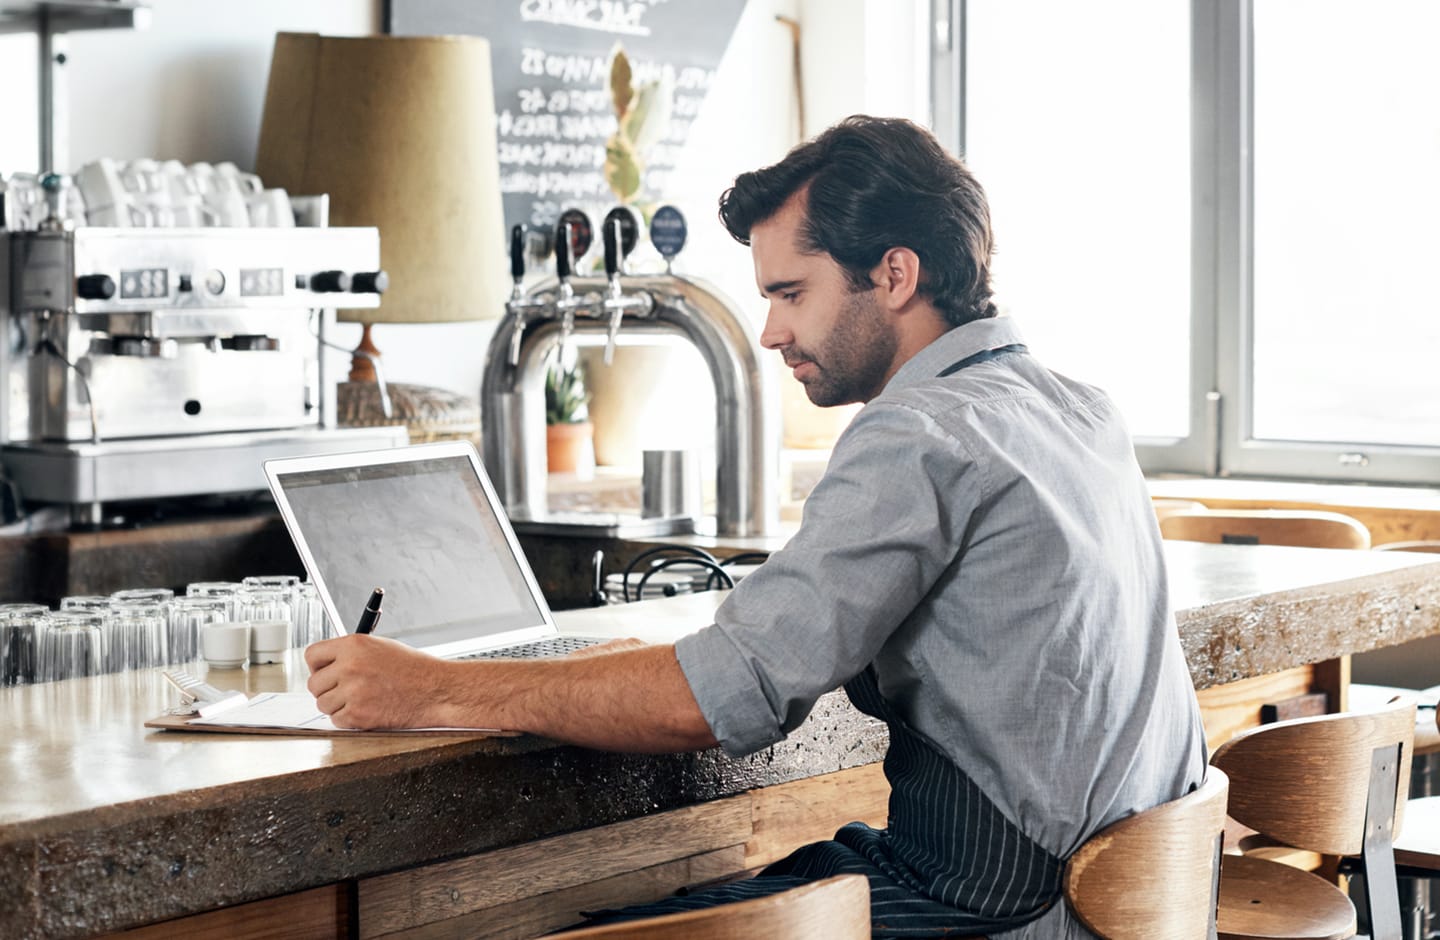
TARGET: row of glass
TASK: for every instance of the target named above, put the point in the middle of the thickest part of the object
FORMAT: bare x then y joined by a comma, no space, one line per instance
136,629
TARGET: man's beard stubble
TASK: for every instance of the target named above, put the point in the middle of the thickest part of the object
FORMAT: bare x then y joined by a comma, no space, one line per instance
854,360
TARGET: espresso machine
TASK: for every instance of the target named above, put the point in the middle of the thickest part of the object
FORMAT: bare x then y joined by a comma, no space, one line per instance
148,363
624,309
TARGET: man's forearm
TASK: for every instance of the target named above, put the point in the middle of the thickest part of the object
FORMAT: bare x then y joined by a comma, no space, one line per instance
629,700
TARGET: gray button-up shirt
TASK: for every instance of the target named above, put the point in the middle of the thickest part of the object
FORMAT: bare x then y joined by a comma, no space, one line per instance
987,541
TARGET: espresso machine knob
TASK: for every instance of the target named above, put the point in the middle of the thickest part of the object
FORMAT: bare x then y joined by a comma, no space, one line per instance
329,282
369,282
94,287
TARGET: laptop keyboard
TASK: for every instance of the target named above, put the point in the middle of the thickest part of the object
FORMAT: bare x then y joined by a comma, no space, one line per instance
540,649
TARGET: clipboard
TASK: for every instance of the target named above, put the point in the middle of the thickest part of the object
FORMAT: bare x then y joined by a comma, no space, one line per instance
204,708
182,723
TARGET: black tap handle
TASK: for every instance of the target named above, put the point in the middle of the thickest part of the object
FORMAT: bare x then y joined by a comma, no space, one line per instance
517,252
611,237
562,251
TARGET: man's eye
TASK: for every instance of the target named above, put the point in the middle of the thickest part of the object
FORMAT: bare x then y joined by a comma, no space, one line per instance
790,296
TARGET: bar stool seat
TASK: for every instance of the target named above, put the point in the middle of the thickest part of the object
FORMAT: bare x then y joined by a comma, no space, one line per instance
1329,784
1265,900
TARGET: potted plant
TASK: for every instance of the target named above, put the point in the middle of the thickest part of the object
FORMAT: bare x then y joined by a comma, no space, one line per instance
569,435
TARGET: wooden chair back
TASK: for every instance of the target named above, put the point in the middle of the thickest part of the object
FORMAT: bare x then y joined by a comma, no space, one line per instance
1167,506
1267,527
837,907
1305,782
1415,545
1151,876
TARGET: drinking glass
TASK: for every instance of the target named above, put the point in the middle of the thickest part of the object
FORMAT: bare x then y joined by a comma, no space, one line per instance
187,615
139,635
262,603
227,590
91,603
73,645
310,622
153,595
289,584
283,582
21,633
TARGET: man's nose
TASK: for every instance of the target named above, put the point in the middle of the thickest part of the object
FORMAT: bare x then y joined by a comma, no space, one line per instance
775,335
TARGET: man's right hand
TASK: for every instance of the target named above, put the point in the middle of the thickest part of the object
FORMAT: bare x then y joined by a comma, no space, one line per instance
374,682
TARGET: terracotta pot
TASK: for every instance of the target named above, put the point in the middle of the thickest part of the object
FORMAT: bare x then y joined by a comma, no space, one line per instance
570,448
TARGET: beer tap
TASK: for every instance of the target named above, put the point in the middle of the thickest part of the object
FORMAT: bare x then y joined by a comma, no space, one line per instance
517,304
572,236
620,233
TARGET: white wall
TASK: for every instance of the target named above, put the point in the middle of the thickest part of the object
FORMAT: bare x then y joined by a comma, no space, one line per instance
192,85
19,105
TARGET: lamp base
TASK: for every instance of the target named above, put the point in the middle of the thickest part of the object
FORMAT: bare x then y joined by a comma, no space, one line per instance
428,414
362,366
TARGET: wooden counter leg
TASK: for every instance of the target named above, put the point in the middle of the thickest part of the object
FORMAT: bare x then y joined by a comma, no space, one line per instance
1333,678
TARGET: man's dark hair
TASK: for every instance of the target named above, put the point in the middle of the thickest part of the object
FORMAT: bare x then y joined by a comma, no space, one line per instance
875,184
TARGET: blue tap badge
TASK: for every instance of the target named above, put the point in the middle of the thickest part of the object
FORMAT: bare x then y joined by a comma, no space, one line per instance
667,231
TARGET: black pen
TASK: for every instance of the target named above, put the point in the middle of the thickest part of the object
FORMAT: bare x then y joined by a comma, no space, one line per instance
371,614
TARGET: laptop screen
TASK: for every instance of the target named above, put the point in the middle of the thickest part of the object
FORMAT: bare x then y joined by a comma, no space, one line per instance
422,525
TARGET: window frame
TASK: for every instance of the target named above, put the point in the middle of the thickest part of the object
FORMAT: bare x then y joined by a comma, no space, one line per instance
1221,442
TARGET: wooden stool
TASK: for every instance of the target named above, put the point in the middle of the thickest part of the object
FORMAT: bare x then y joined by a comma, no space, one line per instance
1334,784
1153,875
837,907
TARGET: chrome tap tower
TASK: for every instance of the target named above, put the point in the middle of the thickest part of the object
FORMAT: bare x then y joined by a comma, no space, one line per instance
593,311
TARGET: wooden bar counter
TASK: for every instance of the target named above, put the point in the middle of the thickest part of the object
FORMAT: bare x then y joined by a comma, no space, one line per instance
107,826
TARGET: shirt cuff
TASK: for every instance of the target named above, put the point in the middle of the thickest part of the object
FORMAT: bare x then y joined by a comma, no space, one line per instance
728,692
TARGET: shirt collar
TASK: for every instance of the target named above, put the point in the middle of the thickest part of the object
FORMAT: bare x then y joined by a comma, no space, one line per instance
952,346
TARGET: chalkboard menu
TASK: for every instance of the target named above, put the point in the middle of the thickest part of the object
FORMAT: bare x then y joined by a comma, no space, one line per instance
551,61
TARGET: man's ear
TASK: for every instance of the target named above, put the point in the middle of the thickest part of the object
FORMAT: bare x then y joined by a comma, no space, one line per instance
898,277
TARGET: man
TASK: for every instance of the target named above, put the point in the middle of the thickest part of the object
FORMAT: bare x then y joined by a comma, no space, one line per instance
979,566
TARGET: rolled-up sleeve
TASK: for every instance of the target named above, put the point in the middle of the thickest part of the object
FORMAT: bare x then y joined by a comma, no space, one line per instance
883,524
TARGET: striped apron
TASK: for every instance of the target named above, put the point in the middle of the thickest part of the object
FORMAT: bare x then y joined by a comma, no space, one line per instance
948,865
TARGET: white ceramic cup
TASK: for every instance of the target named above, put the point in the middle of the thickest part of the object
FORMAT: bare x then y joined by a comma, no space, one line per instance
270,208
225,645
269,639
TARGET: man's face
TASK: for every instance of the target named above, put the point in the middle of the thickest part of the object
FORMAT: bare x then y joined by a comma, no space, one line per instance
840,344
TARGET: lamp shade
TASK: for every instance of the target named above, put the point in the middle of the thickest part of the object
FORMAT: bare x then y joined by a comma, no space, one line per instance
400,132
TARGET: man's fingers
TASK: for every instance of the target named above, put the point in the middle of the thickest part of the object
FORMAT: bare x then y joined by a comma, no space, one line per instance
320,654
321,682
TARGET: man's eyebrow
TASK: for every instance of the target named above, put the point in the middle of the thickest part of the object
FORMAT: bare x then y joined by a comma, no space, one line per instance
774,287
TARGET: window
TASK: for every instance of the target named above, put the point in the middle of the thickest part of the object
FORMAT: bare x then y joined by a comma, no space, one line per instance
1087,171
1223,212
1346,241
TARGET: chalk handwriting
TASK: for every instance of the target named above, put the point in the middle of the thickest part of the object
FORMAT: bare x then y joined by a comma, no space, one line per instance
607,16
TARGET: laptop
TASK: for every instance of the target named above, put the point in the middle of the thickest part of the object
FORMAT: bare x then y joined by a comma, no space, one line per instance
424,523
